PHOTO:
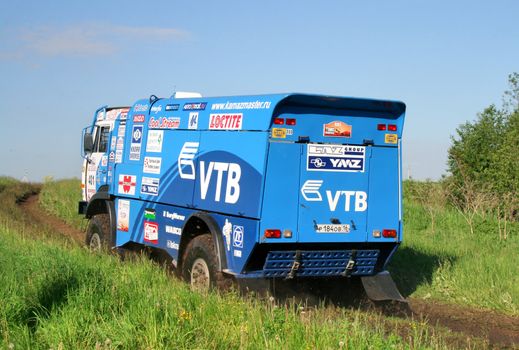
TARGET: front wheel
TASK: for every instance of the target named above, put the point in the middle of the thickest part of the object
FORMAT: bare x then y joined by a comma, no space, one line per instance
98,235
199,265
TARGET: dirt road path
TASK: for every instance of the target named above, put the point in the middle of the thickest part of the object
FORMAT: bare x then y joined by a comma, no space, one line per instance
36,214
499,330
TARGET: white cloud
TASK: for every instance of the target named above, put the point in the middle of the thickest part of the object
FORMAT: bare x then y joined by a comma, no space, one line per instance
87,39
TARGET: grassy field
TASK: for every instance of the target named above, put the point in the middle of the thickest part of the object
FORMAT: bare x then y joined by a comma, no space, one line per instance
54,295
61,198
444,262
451,264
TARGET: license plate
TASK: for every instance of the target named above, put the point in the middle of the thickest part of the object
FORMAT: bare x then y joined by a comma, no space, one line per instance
332,228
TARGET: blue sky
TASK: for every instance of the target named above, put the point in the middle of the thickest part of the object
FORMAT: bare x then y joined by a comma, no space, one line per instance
60,60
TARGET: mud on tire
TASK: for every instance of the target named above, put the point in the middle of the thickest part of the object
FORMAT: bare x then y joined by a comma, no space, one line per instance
199,266
98,234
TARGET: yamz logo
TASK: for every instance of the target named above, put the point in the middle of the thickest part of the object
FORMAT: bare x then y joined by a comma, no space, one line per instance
318,162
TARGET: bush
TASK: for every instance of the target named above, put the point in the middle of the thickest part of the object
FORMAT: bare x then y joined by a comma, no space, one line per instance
483,160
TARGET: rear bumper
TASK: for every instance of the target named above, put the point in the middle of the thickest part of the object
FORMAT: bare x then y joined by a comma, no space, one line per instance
317,260
325,263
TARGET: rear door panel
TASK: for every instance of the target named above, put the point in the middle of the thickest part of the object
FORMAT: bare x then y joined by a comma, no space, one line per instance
334,193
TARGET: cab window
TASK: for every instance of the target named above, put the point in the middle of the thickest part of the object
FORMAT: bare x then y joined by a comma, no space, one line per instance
102,136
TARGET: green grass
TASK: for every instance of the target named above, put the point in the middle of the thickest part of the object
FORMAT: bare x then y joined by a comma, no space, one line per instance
453,265
448,264
57,295
61,198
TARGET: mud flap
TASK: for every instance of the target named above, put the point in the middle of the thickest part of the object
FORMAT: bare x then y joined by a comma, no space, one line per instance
381,287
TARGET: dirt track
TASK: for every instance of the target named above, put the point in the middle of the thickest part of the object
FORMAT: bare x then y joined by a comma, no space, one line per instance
499,330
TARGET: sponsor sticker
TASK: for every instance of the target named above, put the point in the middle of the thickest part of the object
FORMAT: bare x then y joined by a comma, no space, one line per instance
391,138
196,106
237,253
119,156
227,232
173,216
156,109
123,215
152,165
104,160
155,140
230,121
241,105
112,114
332,228
139,118
149,214
237,236
335,158
150,186
164,123
279,133
121,130
173,230
127,184
135,147
113,142
193,120
151,232
337,129
140,107
124,114
173,107
350,200
172,245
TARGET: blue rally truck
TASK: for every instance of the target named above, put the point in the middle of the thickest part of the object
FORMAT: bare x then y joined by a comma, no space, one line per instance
281,186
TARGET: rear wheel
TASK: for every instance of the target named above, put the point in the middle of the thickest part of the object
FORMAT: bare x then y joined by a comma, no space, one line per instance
98,235
199,265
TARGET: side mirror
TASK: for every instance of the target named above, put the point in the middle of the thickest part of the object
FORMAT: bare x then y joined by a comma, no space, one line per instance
88,142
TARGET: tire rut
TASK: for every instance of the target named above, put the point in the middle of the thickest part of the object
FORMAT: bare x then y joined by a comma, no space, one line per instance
54,225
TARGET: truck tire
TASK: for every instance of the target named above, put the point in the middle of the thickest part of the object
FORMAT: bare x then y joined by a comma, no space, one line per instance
98,234
199,266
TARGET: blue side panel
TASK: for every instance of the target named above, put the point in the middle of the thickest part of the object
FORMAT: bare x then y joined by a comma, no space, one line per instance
281,195
383,192
160,226
230,172
239,237
173,188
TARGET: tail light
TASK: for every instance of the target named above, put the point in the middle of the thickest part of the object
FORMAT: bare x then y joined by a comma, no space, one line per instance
381,127
391,127
291,121
386,233
272,233
279,121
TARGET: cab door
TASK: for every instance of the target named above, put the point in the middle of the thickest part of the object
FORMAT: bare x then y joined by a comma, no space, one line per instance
97,161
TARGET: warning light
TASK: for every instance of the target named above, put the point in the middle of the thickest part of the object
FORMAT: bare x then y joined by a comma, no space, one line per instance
391,127
272,233
287,233
381,127
386,233
279,121
291,121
